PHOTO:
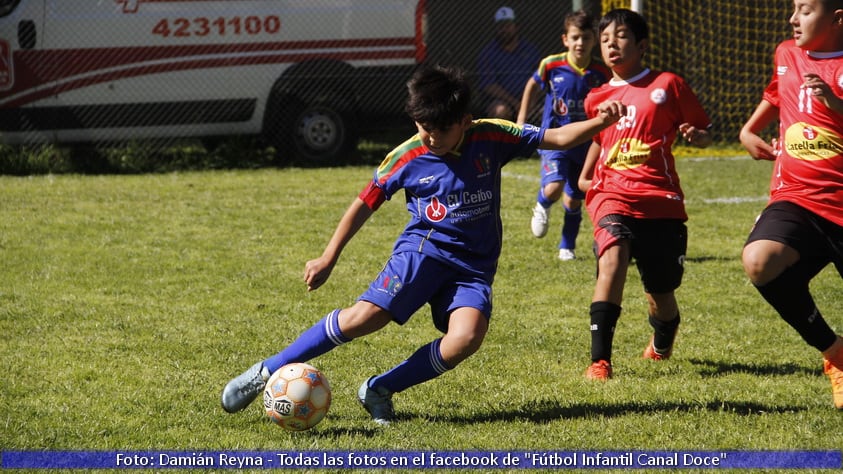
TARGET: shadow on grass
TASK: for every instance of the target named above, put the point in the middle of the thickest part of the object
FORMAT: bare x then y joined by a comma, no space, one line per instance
545,411
713,368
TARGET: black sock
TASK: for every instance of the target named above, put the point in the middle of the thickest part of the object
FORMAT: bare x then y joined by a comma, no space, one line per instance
664,333
604,316
789,295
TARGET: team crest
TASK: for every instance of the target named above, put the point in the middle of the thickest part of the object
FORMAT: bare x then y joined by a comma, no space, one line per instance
435,211
658,96
840,81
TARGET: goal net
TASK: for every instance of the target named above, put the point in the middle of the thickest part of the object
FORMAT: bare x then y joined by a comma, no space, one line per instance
723,49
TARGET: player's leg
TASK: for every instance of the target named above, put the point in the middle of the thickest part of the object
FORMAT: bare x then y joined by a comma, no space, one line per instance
785,250
660,256
550,190
461,310
613,246
336,328
572,203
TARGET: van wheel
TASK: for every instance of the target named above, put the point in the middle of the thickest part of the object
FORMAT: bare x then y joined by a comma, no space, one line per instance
316,133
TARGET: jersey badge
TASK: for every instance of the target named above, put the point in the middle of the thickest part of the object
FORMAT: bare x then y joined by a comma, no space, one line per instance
435,211
658,96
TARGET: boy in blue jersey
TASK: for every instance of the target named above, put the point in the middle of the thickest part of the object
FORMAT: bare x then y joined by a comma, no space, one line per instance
565,79
447,255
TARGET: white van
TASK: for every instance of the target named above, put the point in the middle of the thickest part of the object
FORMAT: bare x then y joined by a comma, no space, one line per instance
304,73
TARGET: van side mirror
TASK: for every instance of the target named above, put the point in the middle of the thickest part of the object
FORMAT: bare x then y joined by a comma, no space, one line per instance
26,34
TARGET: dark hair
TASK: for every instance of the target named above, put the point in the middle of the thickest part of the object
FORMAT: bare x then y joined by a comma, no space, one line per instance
628,18
438,96
581,19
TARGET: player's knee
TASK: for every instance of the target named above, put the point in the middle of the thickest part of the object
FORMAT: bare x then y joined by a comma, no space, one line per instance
755,265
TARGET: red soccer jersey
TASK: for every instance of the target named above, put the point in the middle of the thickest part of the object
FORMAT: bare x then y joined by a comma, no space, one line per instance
809,169
636,172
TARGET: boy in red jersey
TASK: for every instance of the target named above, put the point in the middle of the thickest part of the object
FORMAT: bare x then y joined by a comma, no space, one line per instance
565,79
447,255
801,230
632,188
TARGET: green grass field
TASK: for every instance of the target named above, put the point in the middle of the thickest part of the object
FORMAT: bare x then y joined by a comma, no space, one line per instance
127,302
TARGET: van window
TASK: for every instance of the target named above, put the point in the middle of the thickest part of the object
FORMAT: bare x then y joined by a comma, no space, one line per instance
7,6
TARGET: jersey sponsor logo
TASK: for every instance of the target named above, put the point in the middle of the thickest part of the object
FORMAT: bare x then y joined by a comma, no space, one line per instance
466,198
810,142
658,96
560,107
435,211
628,153
781,70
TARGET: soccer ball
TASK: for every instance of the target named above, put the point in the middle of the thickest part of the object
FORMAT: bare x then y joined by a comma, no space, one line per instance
297,396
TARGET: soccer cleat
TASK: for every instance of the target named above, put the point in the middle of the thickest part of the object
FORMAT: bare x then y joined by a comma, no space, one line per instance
566,255
244,388
539,222
652,353
377,401
600,370
833,367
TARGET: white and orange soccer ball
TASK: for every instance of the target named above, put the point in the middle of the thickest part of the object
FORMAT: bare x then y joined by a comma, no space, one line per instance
297,396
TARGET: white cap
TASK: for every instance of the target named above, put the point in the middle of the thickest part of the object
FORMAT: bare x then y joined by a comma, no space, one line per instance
504,14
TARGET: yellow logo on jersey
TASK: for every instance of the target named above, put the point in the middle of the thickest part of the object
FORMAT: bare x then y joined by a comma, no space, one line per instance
628,153
809,142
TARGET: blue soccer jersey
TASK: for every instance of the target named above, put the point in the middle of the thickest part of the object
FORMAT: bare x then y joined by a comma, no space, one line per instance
454,200
565,86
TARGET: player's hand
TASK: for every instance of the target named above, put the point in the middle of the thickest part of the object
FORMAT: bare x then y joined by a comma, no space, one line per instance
817,88
611,111
758,148
694,135
317,271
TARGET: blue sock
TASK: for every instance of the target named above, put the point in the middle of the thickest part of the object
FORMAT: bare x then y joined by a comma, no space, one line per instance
425,364
571,228
319,339
545,202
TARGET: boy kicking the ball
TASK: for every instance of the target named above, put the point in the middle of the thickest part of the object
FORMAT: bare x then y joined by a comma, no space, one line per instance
447,254
632,188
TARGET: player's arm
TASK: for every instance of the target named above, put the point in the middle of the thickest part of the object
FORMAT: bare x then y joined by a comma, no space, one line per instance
575,133
763,115
587,173
529,98
317,271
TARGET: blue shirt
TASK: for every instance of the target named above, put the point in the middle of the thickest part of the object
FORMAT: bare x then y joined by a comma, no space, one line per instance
454,200
565,86
509,70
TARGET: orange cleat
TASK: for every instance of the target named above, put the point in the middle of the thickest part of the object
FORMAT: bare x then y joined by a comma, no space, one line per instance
652,353
833,367
600,370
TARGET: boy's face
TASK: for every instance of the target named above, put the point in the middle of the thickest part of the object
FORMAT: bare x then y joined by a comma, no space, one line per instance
813,25
580,44
442,141
621,51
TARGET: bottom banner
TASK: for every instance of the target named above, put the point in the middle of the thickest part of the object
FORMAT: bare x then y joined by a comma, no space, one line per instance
540,459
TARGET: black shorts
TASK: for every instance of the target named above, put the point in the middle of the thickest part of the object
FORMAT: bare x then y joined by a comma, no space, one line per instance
658,247
814,237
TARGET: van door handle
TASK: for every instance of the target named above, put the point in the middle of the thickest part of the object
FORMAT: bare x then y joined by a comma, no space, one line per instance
26,34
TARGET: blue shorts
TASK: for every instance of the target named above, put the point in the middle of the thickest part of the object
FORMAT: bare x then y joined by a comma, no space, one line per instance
411,279
561,166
